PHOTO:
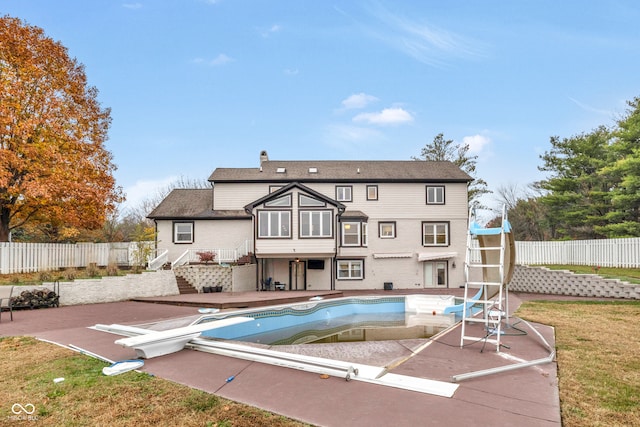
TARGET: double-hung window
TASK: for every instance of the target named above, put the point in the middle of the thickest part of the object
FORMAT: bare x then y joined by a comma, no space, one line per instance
344,193
435,195
354,233
316,223
350,269
435,234
274,224
183,232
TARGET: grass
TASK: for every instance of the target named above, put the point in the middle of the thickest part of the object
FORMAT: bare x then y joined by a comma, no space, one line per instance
631,275
597,344
597,353
86,397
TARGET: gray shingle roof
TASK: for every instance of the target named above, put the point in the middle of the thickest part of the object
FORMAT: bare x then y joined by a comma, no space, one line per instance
344,171
192,204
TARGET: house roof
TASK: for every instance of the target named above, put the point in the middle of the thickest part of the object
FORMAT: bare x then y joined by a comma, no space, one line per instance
286,189
353,215
192,204
344,171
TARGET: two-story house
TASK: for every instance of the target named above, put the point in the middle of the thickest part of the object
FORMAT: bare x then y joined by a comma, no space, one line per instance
323,225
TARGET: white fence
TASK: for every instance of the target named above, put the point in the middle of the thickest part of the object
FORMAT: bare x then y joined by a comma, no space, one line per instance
621,253
33,257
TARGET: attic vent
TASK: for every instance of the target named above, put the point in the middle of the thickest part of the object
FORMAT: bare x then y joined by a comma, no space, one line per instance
281,170
313,170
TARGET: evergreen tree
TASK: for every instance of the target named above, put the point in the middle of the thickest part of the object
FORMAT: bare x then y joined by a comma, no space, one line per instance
578,198
624,171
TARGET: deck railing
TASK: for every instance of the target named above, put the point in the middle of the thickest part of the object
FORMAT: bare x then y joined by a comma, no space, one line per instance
221,256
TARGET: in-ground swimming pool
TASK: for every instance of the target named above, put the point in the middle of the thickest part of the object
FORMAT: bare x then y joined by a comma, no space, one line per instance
339,320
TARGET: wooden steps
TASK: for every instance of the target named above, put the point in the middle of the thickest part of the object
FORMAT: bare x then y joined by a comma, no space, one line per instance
184,287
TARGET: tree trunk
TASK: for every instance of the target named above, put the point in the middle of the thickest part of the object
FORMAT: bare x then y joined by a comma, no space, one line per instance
4,224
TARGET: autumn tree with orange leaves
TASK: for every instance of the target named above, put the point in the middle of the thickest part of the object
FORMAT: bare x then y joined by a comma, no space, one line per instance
54,169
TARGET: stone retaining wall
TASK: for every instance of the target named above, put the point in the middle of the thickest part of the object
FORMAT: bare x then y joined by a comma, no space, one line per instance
112,288
159,283
542,280
237,278
200,275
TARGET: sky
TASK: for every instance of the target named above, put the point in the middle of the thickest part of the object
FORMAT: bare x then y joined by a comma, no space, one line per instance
198,84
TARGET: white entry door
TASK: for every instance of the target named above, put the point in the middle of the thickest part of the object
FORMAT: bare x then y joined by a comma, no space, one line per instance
298,275
435,274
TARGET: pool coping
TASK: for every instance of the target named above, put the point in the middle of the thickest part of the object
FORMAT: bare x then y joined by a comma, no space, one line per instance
527,397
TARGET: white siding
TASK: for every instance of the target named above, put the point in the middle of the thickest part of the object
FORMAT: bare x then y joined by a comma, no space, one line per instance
403,200
405,204
207,234
402,203
237,195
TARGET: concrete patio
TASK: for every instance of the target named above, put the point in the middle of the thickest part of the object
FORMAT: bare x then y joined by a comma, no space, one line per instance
523,397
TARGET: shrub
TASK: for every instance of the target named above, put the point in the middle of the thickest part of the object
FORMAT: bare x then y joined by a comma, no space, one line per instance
45,276
206,256
70,274
92,270
112,269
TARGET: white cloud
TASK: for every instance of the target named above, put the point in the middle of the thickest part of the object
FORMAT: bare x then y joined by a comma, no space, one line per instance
475,142
218,61
351,140
132,5
291,71
421,40
275,28
592,109
221,59
352,133
358,100
388,116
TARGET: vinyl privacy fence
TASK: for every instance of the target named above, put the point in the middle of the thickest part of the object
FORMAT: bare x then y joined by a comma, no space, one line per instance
620,253
34,257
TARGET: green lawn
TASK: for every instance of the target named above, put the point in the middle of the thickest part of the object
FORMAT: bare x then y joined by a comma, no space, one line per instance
631,275
597,345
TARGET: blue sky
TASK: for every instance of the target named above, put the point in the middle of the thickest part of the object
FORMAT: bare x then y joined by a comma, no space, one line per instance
199,84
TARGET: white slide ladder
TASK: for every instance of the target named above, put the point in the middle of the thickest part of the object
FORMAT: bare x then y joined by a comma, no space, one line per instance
486,249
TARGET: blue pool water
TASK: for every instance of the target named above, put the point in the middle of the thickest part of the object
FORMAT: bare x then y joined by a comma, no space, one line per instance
343,319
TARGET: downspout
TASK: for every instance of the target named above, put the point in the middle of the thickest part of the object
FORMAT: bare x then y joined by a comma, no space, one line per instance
155,234
335,252
259,261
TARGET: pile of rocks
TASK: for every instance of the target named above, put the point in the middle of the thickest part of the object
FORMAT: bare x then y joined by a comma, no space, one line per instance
36,299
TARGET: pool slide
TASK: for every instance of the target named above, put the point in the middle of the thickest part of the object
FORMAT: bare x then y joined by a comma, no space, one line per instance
491,238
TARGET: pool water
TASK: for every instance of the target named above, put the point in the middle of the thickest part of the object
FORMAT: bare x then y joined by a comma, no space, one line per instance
332,321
